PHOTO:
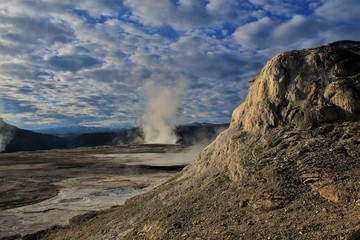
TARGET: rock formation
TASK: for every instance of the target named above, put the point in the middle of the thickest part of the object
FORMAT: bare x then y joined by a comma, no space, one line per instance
286,168
303,89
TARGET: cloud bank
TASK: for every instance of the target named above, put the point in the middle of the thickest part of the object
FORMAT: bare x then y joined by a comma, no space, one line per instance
83,62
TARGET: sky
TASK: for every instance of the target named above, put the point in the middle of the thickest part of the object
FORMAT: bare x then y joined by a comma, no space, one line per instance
88,62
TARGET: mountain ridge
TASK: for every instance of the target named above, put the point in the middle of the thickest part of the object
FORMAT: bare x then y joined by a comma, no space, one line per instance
16,139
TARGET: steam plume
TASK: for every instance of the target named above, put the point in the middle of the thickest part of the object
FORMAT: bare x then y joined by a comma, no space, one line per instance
159,118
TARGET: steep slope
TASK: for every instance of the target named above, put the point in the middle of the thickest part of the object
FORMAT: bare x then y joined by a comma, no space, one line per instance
286,168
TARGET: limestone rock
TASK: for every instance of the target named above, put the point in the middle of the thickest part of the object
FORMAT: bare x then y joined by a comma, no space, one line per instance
304,88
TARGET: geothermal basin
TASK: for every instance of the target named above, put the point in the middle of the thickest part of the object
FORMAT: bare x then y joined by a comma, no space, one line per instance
45,188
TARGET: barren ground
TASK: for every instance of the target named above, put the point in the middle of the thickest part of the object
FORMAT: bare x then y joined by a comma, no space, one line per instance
300,185
45,188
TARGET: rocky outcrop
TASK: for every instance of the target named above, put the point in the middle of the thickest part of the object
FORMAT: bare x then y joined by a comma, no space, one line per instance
304,89
286,168
295,91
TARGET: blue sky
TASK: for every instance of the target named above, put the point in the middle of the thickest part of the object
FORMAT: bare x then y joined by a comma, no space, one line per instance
86,62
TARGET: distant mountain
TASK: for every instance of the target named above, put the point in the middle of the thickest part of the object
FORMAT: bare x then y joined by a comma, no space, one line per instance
71,130
13,139
187,135
198,132
197,124
126,136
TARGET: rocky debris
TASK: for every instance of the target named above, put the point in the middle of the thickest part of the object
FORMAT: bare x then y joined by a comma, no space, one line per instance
330,193
286,168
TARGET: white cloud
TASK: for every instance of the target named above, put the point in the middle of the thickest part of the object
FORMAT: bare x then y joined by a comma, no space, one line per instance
186,14
267,33
100,8
255,34
272,35
82,62
298,29
340,11
282,8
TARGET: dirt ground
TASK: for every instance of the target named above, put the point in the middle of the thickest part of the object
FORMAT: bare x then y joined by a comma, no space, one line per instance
301,185
45,188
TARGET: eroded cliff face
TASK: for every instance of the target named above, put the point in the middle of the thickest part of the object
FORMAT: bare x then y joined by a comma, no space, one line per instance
287,167
295,91
303,89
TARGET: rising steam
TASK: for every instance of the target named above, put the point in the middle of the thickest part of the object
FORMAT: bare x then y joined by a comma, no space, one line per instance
159,118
